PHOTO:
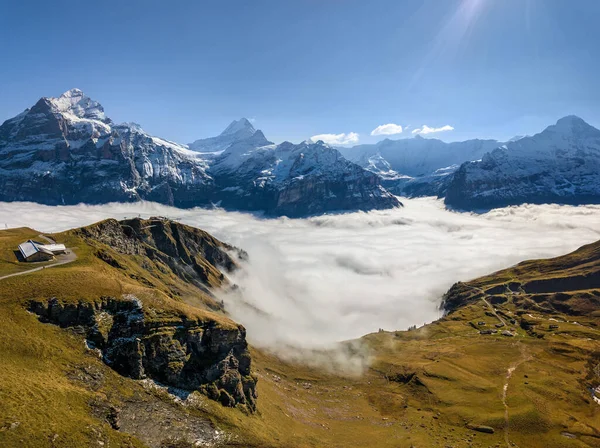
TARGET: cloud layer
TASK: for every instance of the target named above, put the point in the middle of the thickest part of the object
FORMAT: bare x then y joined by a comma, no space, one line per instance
427,130
337,139
387,129
311,282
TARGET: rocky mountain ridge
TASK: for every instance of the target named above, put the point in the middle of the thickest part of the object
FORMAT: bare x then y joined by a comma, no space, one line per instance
558,165
65,151
194,256
569,284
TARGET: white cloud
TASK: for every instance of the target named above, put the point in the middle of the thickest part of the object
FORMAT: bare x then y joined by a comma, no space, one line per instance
312,282
387,129
337,139
427,130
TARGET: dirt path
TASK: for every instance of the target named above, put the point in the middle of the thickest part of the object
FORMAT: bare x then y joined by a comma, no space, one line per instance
525,356
493,310
68,257
489,305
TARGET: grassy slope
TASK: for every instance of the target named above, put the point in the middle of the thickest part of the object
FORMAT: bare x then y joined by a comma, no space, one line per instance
9,241
458,376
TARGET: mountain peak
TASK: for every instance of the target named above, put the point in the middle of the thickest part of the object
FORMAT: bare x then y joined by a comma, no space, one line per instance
133,126
571,122
238,131
76,103
242,125
75,92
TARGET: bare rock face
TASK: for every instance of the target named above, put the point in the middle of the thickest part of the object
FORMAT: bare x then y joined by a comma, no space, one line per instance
188,354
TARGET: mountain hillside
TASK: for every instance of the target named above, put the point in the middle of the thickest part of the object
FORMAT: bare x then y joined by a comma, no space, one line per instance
126,346
569,284
559,165
130,314
65,151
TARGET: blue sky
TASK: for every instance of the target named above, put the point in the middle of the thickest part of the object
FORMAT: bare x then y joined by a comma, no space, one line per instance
185,69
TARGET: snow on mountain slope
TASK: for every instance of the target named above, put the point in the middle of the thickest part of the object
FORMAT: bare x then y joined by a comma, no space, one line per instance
65,150
560,164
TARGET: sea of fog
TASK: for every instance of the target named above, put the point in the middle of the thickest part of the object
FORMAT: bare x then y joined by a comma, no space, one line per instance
311,282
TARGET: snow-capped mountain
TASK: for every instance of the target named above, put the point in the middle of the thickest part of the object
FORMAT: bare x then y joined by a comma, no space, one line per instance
237,131
65,150
296,179
416,166
561,164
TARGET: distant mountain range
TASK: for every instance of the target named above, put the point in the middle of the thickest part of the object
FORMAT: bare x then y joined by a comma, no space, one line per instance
559,165
65,150
417,166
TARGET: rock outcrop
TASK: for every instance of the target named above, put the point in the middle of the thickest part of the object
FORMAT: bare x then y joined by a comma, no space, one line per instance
188,354
193,255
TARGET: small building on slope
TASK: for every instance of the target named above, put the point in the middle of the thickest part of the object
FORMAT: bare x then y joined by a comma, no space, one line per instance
34,251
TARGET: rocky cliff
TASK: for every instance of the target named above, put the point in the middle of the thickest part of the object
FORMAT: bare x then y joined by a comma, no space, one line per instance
185,353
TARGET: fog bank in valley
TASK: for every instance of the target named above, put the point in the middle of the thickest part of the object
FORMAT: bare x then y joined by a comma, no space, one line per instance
312,282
